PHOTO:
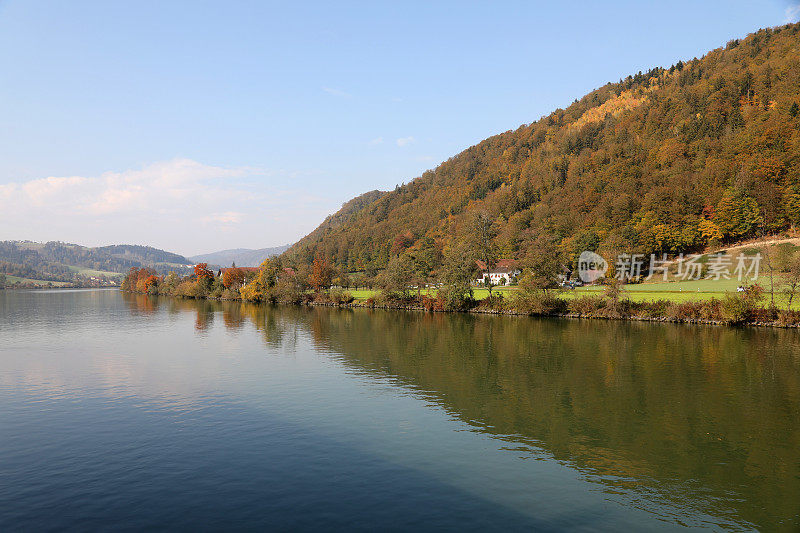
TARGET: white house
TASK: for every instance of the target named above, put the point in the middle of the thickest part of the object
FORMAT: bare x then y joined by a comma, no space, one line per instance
503,270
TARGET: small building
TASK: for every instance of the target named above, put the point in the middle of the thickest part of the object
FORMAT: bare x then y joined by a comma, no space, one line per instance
505,270
249,273
243,269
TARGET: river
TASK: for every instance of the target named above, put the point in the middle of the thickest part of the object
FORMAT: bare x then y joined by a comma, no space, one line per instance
134,412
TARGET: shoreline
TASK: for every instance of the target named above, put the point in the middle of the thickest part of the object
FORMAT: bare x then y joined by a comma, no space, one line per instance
504,312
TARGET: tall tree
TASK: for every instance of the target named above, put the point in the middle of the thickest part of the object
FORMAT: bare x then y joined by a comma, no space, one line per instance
456,275
737,214
201,271
542,266
483,248
399,274
321,272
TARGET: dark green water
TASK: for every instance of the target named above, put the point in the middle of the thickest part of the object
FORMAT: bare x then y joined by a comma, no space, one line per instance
131,412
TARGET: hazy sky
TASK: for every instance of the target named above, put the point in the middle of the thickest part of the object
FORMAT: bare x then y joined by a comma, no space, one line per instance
197,126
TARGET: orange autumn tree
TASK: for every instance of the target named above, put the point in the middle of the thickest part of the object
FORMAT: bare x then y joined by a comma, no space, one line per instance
136,279
201,271
321,272
233,277
152,281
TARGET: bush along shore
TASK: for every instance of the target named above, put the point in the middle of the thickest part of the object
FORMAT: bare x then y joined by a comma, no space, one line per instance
275,285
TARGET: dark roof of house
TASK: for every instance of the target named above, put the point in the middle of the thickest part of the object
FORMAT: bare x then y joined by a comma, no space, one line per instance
503,266
244,269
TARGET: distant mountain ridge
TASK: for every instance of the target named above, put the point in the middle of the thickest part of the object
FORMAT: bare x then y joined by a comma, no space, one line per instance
244,257
143,254
60,261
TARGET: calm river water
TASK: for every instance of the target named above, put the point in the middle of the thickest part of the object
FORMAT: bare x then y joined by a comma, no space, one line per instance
130,412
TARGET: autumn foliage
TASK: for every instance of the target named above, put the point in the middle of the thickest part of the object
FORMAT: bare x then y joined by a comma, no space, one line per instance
321,273
233,277
668,161
151,281
201,271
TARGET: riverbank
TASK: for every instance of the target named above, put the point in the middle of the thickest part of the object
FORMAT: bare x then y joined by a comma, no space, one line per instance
736,309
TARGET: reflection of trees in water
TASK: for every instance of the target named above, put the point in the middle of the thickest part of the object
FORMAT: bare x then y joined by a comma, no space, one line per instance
693,408
140,303
698,415
279,330
204,315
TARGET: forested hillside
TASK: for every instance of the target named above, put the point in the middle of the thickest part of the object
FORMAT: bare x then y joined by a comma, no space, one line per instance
664,161
58,261
142,254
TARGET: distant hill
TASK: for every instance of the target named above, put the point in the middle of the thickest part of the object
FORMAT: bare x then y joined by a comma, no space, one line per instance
244,257
73,263
666,161
143,254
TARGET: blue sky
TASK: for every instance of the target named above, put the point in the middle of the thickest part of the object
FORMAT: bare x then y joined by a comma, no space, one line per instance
196,126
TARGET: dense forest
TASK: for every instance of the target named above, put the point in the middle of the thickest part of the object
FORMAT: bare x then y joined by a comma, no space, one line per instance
143,255
671,160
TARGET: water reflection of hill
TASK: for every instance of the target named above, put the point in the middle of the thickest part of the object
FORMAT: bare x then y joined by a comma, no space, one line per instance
703,416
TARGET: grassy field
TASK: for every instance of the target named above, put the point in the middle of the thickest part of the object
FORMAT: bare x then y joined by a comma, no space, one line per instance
15,279
480,294
97,273
700,285
677,291
685,291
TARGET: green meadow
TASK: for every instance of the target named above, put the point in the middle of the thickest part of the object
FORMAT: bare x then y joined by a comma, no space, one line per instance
10,280
673,291
91,272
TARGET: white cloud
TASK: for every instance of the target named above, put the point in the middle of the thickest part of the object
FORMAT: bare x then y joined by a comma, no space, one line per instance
793,13
337,92
376,141
404,141
228,217
181,205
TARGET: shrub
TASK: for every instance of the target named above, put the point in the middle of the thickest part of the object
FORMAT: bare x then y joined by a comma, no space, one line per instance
735,309
432,304
190,289
686,310
654,309
586,305
340,296
788,318
615,308
741,307
394,298
765,314
492,303
252,292
538,303
288,291
216,291
711,310
230,294
452,298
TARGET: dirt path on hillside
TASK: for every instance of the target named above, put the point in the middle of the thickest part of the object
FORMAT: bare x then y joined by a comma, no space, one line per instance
753,244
